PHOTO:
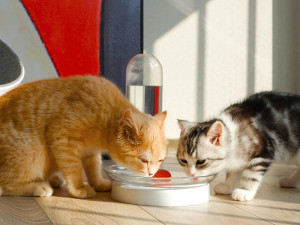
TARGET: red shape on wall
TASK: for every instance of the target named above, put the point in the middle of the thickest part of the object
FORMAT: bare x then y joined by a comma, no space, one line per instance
70,30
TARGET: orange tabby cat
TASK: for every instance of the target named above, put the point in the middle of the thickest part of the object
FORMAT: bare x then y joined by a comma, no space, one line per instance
64,125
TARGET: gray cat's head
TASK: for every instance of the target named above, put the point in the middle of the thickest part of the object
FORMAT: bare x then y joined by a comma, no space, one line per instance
202,147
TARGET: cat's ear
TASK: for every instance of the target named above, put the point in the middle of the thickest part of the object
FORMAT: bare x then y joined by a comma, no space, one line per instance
215,133
161,118
184,124
129,128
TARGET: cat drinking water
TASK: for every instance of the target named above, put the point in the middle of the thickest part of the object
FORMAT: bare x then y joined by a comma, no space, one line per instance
244,140
65,124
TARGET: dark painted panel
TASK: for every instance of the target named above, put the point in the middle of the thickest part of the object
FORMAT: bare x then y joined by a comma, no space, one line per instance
121,37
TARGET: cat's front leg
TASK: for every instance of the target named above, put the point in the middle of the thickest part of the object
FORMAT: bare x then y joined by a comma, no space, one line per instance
291,181
68,160
92,166
226,187
56,180
251,179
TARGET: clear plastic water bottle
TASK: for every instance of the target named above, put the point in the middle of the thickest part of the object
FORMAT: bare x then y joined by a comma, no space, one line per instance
144,79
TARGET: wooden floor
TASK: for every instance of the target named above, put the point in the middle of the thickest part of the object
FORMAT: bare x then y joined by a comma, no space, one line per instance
272,205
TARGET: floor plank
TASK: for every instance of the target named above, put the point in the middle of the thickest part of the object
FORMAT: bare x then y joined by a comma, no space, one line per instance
214,212
278,171
21,210
272,205
62,209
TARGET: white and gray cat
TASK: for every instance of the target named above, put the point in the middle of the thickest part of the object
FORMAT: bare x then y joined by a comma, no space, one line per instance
243,141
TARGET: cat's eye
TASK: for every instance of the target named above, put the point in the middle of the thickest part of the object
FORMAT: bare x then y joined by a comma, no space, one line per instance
144,160
183,161
200,162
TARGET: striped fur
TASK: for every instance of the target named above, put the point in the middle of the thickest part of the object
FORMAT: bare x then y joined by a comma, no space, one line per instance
64,125
244,140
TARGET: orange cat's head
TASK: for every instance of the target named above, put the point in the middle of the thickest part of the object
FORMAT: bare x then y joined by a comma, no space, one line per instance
140,142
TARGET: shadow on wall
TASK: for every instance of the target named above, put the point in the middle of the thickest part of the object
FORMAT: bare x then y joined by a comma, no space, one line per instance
201,6
285,37
286,45
251,47
178,11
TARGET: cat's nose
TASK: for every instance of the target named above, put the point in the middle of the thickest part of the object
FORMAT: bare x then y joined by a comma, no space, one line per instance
192,174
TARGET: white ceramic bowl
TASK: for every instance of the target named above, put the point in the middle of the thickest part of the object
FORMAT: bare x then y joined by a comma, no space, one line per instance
154,196
179,190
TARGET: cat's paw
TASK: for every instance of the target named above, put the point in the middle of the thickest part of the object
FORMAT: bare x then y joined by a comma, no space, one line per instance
84,192
56,180
104,185
286,182
242,194
42,189
223,189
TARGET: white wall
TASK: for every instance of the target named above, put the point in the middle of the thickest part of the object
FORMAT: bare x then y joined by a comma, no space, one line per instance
213,53
18,32
173,38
